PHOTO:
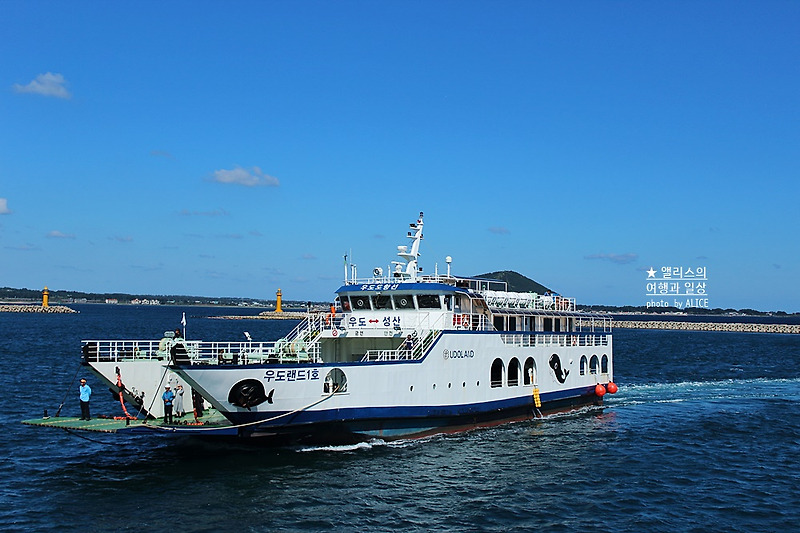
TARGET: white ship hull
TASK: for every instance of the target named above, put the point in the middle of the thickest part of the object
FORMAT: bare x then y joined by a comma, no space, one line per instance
452,387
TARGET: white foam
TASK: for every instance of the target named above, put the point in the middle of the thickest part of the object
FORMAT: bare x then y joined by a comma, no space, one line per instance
345,447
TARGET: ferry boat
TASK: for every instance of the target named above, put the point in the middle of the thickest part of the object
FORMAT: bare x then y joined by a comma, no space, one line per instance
405,355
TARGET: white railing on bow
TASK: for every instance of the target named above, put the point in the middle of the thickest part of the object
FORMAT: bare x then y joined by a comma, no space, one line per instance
301,349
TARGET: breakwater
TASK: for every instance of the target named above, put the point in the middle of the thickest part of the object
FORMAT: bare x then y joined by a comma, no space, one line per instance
267,315
7,308
708,326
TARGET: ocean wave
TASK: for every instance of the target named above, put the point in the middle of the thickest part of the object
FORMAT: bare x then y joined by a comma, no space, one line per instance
344,447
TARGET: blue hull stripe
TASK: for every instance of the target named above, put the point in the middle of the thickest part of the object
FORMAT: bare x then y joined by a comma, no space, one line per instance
388,414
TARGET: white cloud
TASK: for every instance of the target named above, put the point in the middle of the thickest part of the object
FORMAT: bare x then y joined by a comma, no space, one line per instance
242,176
4,210
55,234
620,259
214,213
24,247
499,230
47,85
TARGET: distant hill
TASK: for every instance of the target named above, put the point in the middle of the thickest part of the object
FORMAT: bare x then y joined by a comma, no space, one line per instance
516,282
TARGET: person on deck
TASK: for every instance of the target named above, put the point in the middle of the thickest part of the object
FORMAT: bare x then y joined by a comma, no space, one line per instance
179,411
197,403
85,393
168,397
409,345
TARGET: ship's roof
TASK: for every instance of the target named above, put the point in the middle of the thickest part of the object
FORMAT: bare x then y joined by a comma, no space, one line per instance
408,286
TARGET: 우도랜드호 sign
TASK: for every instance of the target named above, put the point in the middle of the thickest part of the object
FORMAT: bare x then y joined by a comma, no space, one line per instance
291,374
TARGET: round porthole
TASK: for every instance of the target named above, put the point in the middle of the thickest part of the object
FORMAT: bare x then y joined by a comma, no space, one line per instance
434,386
411,388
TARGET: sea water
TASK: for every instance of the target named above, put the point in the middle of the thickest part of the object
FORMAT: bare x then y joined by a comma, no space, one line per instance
704,435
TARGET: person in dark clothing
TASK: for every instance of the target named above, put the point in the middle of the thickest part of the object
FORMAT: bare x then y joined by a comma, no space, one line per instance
197,403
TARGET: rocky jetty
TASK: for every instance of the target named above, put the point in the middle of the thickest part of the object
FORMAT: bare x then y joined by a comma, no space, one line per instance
707,326
7,308
268,315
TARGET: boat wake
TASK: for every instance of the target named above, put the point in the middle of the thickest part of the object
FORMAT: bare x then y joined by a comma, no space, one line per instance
690,391
344,447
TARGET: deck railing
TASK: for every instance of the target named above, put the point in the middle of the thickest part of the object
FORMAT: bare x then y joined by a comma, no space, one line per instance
403,352
526,340
298,350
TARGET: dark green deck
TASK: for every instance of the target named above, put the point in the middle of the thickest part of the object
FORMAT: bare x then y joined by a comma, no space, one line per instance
213,423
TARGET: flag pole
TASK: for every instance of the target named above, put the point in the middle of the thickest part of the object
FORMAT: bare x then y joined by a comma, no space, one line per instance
183,323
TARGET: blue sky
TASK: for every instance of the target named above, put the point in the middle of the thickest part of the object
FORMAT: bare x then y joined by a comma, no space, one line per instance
234,148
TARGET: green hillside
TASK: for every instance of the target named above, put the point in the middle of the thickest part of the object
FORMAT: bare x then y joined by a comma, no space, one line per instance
516,282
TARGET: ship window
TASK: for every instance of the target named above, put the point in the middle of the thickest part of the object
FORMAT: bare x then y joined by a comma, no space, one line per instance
381,301
529,374
513,372
604,364
583,365
403,301
548,324
593,365
360,302
335,381
497,373
345,303
499,323
429,301
448,302
512,323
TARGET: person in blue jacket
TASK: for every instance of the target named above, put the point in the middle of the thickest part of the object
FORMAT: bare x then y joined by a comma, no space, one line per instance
85,393
168,397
